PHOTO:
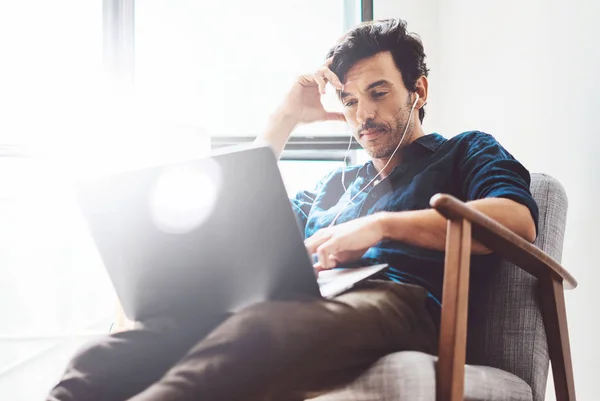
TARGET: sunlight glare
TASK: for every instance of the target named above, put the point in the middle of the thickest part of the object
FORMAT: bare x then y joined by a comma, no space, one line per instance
184,197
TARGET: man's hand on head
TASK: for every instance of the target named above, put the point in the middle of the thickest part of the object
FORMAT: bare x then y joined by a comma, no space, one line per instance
345,242
304,99
302,105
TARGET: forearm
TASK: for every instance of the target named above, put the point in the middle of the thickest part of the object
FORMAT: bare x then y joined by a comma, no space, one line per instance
278,131
427,228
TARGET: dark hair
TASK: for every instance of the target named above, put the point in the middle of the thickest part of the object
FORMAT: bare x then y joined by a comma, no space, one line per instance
370,38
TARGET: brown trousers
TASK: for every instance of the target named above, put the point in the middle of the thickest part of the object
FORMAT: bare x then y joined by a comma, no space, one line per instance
277,350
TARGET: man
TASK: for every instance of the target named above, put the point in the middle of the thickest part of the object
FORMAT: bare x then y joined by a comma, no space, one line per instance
292,348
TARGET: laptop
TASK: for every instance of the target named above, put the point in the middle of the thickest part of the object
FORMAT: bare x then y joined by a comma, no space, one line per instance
209,235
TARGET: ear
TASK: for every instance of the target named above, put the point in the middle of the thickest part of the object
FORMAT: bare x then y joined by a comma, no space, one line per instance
422,86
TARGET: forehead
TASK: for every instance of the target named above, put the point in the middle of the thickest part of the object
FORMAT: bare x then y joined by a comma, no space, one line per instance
378,67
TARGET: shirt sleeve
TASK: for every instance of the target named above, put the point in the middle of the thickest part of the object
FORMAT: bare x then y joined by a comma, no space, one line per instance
304,200
489,171
301,204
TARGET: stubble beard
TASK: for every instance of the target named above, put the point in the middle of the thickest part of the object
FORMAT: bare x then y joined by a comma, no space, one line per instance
387,151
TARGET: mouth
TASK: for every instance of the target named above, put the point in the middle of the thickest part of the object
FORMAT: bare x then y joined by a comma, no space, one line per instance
371,133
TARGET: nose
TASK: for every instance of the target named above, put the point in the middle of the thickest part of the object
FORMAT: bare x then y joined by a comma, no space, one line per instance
365,111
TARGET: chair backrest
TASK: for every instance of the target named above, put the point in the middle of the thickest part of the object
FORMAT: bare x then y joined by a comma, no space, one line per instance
506,329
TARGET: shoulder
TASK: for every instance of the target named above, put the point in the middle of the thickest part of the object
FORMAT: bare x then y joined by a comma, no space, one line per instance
471,143
471,137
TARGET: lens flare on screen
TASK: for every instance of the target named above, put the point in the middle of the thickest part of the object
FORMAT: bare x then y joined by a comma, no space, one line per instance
184,197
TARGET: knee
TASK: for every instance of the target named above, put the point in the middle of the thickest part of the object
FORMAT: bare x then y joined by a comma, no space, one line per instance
254,324
90,356
257,329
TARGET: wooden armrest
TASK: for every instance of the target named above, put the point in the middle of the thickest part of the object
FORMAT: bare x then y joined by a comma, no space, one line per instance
502,240
465,223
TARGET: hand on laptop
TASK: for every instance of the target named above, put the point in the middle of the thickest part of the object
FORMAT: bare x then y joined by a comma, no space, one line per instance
345,242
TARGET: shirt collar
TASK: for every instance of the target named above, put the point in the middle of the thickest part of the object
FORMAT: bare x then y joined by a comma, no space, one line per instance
431,142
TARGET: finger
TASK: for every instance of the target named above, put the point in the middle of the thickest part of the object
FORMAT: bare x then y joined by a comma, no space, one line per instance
311,245
321,82
329,250
319,268
328,62
332,261
323,258
327,74
333,116
307,80
349,256
313,242
326,255
332,246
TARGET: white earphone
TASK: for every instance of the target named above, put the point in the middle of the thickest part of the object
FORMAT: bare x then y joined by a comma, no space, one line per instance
380,171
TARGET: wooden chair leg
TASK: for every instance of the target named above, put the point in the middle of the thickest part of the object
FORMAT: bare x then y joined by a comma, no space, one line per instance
555,319
453,330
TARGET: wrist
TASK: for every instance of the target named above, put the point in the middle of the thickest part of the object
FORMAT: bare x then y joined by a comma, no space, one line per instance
285,116
279,129
281,125
383,222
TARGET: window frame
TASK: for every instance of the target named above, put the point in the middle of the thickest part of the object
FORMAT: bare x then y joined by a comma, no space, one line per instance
119,60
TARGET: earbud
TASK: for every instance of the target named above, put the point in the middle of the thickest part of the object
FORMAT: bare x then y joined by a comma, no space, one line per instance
416,100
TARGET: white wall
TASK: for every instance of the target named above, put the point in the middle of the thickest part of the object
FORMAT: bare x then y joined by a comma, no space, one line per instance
527,72
422,18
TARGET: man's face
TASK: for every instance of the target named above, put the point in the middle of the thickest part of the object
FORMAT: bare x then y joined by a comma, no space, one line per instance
376,104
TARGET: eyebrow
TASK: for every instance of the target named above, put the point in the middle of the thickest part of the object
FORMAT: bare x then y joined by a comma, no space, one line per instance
381,82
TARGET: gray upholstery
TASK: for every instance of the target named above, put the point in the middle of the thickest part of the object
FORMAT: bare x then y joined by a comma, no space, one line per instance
507,352
410,376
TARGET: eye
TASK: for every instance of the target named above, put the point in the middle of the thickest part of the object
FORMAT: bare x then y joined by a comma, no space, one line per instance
350,103
379,94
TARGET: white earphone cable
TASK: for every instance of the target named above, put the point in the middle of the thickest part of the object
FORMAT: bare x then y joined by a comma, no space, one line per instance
344,166
384,167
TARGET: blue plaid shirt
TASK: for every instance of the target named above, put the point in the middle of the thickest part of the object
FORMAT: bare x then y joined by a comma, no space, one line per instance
469,166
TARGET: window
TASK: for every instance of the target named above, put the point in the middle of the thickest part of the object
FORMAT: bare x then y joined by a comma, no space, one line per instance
51,70
224,66
304,174
53,286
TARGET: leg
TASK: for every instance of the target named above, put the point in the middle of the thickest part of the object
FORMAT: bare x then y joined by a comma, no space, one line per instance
290,348
123,364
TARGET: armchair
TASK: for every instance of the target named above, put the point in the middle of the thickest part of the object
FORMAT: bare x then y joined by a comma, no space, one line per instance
516,316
